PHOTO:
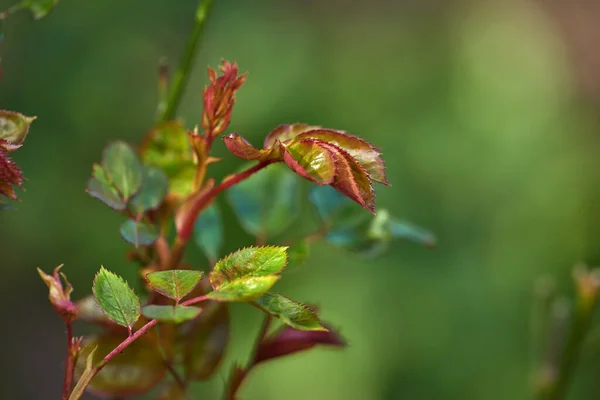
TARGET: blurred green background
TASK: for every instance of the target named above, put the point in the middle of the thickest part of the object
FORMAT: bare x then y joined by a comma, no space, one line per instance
489,131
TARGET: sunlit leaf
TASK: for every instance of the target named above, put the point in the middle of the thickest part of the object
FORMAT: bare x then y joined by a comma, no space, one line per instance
352,179
167,146
170,314
208,232
248,262
203,340
139,234
100,187
361,150
312,161
268,202
174,284
135,371
123,168
153,191
292,313
13,129
289,341
244,289
116,298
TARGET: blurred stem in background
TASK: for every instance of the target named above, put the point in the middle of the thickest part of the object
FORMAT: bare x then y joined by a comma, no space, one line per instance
167,108
567,334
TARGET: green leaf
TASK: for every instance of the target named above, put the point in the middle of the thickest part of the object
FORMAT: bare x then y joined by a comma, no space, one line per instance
139,234
123,169
174,284
39,8
244,289
204,341
13,129
135,371
248,262
153,191
208,232
170,314
116,298
100,187
292,313
267,203
167,146
312,161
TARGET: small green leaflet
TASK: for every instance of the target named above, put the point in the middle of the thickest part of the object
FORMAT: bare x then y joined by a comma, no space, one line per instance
292,313
100,187
123,168
116,298
174,284
139,234
170,314
153,191
249,262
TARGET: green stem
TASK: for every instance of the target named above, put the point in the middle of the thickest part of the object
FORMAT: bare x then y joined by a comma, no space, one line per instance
556,388
181,77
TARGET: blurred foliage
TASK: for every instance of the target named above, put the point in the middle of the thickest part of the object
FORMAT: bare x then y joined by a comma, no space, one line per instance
473,106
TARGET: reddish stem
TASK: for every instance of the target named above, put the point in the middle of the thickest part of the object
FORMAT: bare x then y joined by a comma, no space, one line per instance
69,364
139,333
188,225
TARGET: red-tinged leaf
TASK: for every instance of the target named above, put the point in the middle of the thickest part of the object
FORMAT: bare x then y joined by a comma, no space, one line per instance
241,148
284,133
10,174
135,371
361,150
310,160
13,129
351,179
289,341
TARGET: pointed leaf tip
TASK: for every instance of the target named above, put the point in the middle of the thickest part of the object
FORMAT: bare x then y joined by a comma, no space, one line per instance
114,296
174,284
249,262
292,313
